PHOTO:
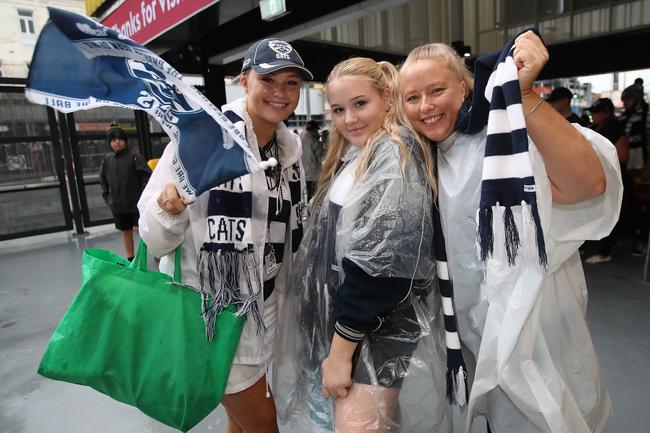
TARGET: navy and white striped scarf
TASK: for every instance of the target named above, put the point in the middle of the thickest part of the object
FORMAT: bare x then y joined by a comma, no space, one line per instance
456,371
507,179
227,258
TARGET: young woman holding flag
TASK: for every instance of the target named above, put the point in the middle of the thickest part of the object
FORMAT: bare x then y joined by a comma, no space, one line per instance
238,238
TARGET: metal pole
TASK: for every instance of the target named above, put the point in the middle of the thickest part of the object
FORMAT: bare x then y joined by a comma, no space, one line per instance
70,174
647,259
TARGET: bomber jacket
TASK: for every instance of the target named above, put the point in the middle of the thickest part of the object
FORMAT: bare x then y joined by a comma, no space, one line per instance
123,176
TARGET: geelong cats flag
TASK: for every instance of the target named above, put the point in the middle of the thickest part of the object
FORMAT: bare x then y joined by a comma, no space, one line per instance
80,64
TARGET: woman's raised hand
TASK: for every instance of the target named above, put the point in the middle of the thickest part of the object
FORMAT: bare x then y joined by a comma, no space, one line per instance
530,56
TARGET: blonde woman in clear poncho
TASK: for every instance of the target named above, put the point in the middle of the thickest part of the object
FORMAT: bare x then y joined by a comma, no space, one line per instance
533,364
362,347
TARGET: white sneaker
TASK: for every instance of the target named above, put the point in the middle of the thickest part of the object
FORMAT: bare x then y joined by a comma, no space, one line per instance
598,258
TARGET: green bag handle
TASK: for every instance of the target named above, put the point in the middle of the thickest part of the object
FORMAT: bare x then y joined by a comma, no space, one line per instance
140,260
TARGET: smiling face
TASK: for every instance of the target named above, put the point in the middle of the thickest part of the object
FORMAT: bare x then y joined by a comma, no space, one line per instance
271,97
433,96
358,108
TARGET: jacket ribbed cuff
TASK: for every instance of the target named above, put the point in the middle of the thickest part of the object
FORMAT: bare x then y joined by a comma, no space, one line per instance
348,333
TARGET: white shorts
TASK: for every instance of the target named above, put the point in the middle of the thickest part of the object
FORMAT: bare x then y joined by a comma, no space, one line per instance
243,376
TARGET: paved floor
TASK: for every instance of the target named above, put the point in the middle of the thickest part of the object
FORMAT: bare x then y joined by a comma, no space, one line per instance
40,276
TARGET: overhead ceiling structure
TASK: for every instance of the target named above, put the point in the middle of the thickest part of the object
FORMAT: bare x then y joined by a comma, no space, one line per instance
216,37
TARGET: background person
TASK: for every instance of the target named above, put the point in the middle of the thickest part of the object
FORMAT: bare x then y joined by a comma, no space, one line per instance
634,123
560,99
123,176
313,153
245,230
533,365
606,124
634,120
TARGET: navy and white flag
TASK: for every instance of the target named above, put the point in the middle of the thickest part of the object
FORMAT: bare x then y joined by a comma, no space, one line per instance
79,64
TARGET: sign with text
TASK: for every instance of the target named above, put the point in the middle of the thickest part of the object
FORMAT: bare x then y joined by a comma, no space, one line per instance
144,20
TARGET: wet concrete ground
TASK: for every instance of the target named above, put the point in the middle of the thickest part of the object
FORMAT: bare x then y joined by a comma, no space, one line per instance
40,276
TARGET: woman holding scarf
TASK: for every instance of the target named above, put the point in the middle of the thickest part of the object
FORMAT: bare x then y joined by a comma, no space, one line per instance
536,187
238,238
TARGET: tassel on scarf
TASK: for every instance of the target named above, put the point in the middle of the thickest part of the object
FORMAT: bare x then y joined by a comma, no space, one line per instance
457,387
512,235
539,235
226,270
485,233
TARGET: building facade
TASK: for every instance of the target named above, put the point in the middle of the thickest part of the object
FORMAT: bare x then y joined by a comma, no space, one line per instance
20,23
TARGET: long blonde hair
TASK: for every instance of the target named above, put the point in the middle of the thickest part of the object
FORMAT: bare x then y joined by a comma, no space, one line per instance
439,52
383,76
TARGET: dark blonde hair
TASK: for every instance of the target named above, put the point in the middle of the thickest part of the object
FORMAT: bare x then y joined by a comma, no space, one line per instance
383,76
445,54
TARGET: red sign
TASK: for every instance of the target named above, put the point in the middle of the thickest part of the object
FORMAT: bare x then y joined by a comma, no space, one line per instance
144,20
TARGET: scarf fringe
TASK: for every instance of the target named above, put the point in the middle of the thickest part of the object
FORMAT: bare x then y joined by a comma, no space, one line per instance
512,238
539,236
457,386
485,233
220,273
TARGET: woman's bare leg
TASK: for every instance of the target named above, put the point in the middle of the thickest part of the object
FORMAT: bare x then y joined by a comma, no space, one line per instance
367,408
232,426
250,410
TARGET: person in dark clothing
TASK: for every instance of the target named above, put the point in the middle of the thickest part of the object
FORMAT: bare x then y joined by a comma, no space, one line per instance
560,99
607,125
123,176
634,121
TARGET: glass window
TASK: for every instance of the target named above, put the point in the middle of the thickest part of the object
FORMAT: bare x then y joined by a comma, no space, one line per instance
514,31
626,15
587,4
487,15
98,120
490,41
591,22
396,24
646,12
26,162
20,118
418,23
557,29
470,23
348,33
517,11
26,20
372,31
550,8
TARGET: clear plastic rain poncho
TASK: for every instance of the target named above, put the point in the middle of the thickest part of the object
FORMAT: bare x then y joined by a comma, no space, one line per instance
534,366
384,227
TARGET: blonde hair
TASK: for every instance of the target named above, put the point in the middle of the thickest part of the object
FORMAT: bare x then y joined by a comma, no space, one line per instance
445,54
382,76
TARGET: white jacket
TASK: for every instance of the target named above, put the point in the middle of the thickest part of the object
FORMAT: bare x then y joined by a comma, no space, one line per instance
163,232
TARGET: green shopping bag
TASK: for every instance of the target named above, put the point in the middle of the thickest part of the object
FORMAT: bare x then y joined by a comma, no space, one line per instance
137,337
